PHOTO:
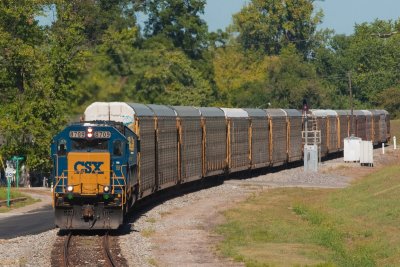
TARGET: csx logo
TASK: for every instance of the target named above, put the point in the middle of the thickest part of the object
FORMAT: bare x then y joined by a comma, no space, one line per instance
88,167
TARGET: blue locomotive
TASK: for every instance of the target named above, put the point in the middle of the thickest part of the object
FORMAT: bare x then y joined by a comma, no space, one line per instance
94,175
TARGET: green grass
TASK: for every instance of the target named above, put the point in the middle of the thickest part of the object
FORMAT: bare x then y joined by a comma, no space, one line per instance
357,226
14,193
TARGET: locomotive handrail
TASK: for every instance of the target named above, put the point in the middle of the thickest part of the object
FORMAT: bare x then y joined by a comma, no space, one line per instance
116,183
121,186
63,177
59,179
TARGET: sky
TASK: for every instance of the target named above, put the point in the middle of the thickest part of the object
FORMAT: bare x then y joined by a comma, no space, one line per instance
340,15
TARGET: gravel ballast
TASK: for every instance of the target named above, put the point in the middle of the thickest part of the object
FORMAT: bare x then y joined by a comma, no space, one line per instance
177,231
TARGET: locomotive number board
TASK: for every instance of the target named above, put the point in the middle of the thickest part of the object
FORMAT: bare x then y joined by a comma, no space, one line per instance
77,134
102,134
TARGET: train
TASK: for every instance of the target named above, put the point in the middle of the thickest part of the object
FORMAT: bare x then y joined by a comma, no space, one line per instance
123,152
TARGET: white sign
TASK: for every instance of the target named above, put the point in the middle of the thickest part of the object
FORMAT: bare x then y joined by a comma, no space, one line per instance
10,172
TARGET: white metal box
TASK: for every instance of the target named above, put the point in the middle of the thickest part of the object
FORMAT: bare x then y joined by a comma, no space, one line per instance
367,153
311,158
352,147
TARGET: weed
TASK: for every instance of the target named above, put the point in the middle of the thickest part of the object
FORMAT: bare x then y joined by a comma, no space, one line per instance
147,232
151,220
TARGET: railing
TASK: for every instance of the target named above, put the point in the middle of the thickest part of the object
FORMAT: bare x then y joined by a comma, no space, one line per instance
117,184
311,137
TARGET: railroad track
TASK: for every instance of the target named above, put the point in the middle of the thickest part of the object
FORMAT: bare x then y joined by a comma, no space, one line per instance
104,243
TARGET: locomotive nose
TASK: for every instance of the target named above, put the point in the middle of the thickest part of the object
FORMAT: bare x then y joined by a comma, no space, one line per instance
88,173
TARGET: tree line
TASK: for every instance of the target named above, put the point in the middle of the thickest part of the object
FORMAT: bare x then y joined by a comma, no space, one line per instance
272,55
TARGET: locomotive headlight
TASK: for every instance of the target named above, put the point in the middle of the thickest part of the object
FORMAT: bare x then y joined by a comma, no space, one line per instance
90,132
106,189
70,188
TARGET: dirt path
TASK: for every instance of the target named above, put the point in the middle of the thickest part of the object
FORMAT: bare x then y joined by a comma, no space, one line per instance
179,232
186,238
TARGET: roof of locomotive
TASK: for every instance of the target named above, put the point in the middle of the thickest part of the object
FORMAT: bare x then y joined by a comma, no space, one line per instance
116,127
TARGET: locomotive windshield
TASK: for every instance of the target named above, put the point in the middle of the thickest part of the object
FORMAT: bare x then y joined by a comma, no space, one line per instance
89,145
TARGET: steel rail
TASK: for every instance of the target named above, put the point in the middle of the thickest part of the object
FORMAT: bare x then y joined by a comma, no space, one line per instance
107,250
66,248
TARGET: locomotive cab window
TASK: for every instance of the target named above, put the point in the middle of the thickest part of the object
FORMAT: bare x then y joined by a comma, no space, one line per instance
89,145
118,148
62,148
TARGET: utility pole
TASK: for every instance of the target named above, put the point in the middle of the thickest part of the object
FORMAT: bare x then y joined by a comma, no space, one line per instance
351,105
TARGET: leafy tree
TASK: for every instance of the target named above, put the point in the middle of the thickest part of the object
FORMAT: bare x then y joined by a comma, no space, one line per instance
271,25
29,111
90,42
178,20
370,55
240,76
95,17
375,60
111,67
390,100
333,63
166,75
291,79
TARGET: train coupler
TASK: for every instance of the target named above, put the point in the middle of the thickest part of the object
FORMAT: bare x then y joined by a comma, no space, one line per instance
88,212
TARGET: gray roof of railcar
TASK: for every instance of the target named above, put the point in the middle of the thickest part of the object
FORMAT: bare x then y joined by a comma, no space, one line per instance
275,112
141,110
358,113
162,110
342,112
211,112
255,112
235,113
375,112
293,112
323,112
366,112
183,111
380,111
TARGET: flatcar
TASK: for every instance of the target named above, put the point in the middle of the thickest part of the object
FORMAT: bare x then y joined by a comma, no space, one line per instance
162,146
